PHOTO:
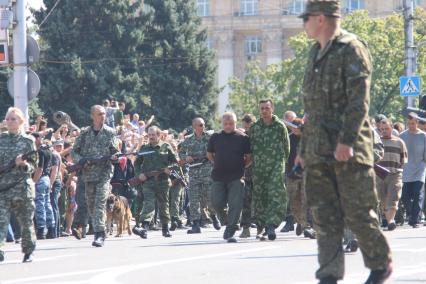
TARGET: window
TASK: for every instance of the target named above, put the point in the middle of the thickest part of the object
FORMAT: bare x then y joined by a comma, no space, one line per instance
249,7
253,45
352,5
297,7
203,8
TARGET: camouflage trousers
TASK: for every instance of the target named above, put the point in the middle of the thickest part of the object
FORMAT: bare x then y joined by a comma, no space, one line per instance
96,196
199,194
297,200
339,194
81,216
269,199
175,198
157,191
246,216
20,201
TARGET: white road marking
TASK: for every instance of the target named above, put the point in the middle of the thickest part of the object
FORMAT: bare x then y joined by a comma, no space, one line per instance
109,275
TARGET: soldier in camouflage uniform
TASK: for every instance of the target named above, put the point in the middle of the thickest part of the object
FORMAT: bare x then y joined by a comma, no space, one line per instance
94,142
156,189
175,196
271,147
337,145
246,216
16,186
195,147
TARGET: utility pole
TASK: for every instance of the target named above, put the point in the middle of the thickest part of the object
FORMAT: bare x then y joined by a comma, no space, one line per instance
410,52
20,73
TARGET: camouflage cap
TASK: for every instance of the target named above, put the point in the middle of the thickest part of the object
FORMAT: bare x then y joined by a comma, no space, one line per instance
329,8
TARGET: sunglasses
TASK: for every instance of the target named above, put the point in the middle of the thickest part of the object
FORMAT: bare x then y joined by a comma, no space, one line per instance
201,125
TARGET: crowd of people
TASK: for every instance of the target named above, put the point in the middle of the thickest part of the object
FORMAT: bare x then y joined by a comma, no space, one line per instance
327,172
207,194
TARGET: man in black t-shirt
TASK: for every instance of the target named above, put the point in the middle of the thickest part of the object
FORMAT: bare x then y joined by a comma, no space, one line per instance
230,152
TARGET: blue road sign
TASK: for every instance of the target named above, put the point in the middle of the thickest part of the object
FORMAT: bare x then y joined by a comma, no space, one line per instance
410,86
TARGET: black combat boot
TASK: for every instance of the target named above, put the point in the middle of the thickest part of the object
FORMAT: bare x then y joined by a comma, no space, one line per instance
28,257
40,234
380,276
228,234
289,224
270,230
140,232
195,227
216,222
174,224
309,233
99,239
328,280
165,231
1,256
51,233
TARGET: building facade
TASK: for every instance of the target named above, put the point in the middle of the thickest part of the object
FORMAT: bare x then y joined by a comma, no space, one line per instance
244,30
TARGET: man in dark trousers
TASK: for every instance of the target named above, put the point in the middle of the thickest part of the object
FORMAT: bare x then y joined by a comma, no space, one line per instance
230,152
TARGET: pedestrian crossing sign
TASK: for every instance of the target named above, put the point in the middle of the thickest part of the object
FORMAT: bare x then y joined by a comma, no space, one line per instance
409,86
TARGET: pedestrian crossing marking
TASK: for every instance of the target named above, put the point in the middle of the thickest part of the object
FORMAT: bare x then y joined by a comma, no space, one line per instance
410,87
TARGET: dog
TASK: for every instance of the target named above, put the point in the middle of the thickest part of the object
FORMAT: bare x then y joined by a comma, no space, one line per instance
118,211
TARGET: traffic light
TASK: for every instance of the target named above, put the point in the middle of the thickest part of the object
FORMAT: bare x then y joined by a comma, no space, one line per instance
3,53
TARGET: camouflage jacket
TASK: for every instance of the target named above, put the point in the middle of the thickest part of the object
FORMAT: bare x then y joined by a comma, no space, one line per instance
89,145
336,95
163,157
270,145
196,147
11,146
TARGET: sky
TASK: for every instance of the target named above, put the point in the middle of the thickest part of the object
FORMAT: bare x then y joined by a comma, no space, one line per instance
35,3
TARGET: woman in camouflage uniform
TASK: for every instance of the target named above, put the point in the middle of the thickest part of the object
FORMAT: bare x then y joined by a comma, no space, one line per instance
16,186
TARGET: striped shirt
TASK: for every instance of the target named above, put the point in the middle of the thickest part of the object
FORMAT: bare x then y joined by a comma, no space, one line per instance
395,154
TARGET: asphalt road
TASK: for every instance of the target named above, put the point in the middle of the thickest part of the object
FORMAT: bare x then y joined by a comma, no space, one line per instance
203,259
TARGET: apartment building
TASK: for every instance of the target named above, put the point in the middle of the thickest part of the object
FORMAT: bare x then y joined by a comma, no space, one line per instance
244,30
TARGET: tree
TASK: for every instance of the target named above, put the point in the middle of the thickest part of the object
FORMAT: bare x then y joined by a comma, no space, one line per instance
180,78
385,37
91,52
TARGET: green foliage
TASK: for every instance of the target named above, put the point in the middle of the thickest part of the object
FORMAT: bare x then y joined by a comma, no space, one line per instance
385,37
90,53
181,79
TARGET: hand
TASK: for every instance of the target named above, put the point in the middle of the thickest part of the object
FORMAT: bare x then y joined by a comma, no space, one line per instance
189,159
343,152
167,171
20,162
114,158
299,161
142,177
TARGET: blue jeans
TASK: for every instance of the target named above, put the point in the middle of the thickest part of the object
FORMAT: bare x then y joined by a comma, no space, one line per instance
54,198
44,212
413,203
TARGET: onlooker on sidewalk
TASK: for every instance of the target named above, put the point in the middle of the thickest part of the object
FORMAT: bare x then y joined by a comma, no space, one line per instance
413,175
390,188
